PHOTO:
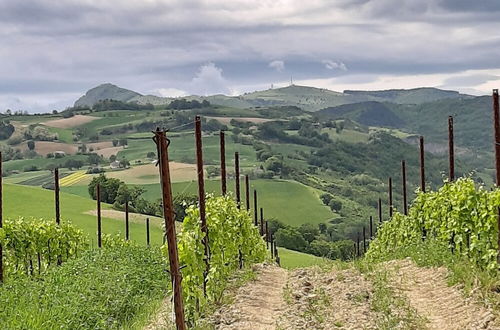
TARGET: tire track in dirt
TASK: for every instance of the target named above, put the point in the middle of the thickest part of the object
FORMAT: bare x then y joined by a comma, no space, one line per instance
258,304
445,307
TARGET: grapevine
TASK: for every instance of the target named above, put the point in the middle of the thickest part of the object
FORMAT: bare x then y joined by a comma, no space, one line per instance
459,214
230,231
31,245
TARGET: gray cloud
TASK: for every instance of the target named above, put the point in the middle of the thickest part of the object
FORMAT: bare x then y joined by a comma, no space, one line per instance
53,49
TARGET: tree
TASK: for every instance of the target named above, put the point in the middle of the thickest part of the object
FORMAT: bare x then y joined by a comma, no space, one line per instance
151,155
308,231
123,142
31,145
326,198
112,158
129,194
274,164
124,163
335,205
73,163
94,159
115,143
290,238
109,188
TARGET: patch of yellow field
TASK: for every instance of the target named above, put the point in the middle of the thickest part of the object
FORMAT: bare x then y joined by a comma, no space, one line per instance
72,178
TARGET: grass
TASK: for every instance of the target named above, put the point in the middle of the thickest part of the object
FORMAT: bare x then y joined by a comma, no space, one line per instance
100,290
40,162
292,259
64,134
346,135
274,196
24,201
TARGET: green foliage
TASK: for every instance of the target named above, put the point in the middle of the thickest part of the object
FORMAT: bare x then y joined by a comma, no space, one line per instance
31,245
109,188
6,129
230,232
290,238
459,215
103,289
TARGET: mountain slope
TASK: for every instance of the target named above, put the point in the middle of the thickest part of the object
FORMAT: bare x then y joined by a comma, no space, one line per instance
103,92
307,98
367,113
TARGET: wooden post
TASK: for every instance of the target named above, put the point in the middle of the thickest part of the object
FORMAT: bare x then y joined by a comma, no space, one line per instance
261,222
403,175
223,163
201,197
56,195
496,125
451,148
357,246
168,213
126,222
380,210
267,236
237,178
371,227
391,207
364,240
147,232
422,165
255,208
247,192
99,229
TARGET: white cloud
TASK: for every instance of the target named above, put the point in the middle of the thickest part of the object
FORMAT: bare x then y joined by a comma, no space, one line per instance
331,65
209,80
171,92
277,65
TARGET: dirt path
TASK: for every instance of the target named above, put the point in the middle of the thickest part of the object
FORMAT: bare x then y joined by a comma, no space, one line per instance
333,299
258,304
445,307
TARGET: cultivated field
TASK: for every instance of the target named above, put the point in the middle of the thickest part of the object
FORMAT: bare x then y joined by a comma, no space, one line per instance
71,122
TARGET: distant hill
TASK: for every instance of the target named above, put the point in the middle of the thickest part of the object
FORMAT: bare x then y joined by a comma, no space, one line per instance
410,96
307,98
367,113
106,91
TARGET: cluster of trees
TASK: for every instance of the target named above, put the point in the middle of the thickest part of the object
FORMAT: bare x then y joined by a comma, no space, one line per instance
183,104
6,129
116,192
334,203
320,240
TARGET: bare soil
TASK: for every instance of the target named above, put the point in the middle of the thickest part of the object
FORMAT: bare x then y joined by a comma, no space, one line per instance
71,122
46,147
258,304
227,120
445,307
145,174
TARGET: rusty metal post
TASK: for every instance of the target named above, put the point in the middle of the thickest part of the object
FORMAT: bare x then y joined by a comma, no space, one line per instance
56,195
247,192
147,232
201,198
261,221
1,217
422,164
255,208
364,240
237,178
451,148
496,125
267,236
126,222
380,210
371,227
271,240
391,207
223,163
168,213
403,176
99,229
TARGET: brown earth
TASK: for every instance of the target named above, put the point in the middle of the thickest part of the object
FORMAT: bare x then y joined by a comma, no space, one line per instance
144,174
133,217
46,147
258,304
71,122
445,307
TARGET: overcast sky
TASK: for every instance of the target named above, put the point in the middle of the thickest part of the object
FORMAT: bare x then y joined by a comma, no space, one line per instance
52,51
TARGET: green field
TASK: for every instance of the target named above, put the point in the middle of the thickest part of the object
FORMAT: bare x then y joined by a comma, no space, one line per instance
24,201
346,135
292,259
287,201
41,162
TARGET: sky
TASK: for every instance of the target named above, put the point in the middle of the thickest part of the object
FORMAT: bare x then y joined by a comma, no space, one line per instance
51,52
